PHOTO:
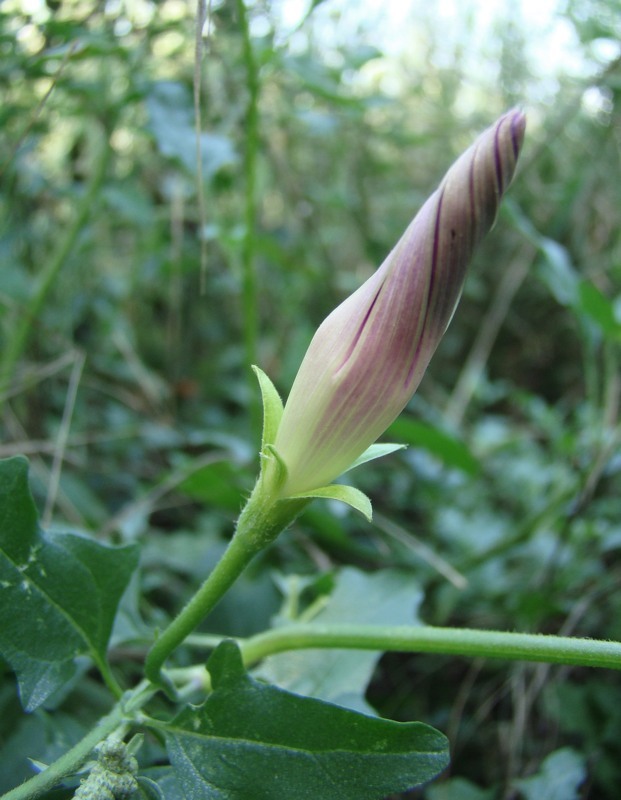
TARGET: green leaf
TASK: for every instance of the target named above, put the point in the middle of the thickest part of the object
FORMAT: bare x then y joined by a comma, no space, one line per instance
375,451
272,408
388,597
159,782
599,309
564,282
556,269
171,120
250,741
346,494
217,485
557,272
559,778
452,451
59,592
36,738
357,55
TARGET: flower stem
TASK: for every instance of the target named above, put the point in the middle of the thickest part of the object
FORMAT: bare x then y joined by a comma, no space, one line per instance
446,641
235,559
262,519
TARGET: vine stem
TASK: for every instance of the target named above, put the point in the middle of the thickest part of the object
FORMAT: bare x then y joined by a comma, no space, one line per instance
262,519
70,762
465,642
126,710
234,560
108,676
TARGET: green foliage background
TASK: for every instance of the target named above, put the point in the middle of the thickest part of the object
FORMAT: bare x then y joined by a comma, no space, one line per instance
137,289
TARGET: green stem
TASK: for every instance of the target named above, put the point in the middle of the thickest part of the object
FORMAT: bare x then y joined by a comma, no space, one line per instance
249,279
259,524
108,676
236,558
17,343
446,641
71,761
68,763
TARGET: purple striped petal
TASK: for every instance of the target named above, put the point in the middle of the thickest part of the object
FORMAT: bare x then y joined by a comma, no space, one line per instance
369,355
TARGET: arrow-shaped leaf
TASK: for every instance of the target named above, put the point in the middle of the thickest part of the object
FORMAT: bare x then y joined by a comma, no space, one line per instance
251,741
58,592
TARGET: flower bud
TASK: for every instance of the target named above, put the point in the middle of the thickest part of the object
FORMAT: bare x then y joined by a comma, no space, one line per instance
369,355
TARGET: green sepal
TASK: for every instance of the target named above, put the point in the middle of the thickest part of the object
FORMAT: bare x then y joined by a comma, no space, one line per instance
346,494
279,472
375,451
272,408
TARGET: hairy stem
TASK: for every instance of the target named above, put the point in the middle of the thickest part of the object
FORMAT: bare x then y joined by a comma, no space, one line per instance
71,761
259,524
446,641
235,559
68,763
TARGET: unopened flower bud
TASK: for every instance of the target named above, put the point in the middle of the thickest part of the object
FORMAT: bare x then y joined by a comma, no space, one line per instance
369,355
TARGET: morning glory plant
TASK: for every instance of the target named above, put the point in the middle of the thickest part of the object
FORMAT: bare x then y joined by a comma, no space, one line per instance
363,365
60,592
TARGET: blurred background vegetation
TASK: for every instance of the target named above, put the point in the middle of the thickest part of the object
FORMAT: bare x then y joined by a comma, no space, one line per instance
144,269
